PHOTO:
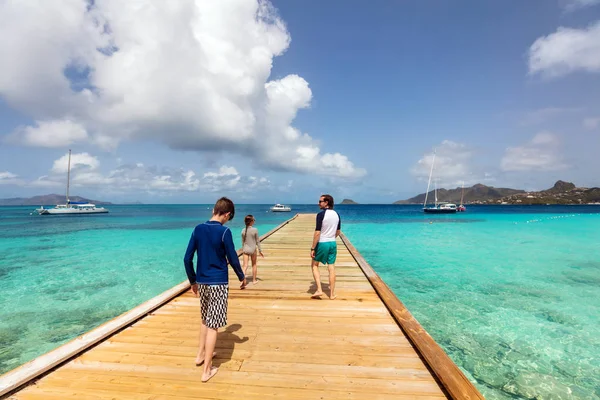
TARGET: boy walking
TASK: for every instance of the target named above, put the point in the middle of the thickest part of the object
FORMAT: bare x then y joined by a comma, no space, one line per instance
214,244
324,248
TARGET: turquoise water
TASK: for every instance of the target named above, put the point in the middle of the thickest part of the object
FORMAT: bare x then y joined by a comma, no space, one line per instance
511,293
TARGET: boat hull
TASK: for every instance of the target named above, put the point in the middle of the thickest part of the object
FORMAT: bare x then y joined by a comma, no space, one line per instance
438,211
289,210
51,211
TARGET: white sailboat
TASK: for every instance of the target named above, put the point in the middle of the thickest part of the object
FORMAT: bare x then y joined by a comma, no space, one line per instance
461,207
71,207
438,208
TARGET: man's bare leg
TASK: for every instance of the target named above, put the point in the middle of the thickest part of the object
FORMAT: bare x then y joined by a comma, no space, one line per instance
317,276
209,348
331,268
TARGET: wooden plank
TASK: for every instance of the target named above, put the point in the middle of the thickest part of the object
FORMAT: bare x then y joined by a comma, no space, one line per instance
40,365
279,344
448,373
21,375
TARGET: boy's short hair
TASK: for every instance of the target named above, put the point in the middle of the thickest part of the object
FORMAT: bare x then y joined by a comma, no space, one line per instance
224,206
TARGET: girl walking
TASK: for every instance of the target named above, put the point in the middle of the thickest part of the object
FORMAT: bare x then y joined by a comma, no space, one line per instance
250,243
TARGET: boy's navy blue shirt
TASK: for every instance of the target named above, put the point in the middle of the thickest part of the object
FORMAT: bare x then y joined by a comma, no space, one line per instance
214,244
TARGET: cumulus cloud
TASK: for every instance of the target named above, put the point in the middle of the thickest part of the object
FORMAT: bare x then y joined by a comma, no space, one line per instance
78,160
573,5
8,178
591,123
54,133
565,51
192,75
86,172
452,165
542,153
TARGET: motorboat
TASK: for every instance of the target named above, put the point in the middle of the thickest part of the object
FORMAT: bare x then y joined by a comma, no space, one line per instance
71,207
280,208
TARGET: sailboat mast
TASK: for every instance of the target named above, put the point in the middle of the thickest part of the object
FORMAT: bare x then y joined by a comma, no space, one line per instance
435,193
462,195
429,182
68,176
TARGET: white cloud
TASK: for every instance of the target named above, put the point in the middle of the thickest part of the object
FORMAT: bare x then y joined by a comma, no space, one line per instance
192,75
572,5
7,175
86,172
565,51
452,165
8,178
52,133
542,153
78,160
591,123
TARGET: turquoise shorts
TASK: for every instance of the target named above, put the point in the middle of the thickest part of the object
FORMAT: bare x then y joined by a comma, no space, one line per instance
326,252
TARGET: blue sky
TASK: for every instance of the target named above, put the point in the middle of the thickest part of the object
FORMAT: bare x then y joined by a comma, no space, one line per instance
184,104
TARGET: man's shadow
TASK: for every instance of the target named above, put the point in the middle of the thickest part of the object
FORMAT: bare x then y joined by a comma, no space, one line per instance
226,342
325,286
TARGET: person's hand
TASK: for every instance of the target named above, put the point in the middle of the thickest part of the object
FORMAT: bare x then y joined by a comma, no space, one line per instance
261,254
312,254
243,284
195,289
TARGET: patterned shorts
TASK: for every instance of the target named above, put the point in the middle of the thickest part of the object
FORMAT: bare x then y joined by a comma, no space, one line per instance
213,305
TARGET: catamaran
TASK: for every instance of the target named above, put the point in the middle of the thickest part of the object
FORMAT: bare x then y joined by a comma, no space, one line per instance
71,207
438,208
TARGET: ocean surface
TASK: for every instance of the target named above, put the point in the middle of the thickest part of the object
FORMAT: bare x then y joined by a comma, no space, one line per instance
511,293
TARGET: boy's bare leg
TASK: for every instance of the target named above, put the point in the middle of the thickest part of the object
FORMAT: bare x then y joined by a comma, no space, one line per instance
317,276
209,348
202,340
254,267
331,268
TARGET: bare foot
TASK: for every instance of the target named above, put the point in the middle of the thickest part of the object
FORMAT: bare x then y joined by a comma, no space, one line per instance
333,297
254,282
200,360
206,377
317,295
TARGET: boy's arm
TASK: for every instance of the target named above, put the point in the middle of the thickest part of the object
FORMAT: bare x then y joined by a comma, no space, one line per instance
232,256
339,227
188,260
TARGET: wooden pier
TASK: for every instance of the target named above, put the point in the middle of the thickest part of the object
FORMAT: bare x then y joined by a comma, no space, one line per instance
279,343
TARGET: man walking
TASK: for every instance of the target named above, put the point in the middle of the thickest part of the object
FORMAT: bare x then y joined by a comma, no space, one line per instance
324,248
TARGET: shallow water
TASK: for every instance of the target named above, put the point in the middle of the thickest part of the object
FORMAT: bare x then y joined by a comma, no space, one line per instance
511,293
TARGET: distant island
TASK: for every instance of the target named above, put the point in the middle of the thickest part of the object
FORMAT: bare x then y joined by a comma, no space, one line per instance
561,193
348,201
46,200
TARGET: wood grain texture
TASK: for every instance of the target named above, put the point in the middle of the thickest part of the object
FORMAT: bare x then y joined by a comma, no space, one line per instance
279,343
450,376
